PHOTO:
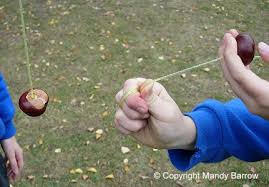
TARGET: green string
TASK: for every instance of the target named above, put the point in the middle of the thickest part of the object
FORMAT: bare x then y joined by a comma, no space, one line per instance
26,48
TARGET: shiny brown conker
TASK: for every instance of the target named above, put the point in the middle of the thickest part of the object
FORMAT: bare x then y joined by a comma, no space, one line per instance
245,47
34,102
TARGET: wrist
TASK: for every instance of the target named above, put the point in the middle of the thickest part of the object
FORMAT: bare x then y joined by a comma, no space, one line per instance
190,133
186,135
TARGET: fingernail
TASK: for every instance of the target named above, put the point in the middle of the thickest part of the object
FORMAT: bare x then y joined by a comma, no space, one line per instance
263,47
141,110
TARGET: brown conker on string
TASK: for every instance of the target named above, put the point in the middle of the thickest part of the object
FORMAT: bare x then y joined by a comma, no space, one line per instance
34,102
245,47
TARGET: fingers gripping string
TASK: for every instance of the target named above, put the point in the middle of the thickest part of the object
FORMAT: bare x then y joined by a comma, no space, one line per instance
135,90
143,86
127,94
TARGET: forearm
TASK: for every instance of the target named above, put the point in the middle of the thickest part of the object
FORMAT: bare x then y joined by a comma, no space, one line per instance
222,131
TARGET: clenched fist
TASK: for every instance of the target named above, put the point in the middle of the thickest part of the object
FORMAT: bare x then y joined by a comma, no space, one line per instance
152,117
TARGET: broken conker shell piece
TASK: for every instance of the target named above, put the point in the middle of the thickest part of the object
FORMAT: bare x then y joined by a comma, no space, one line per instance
245,47
34,102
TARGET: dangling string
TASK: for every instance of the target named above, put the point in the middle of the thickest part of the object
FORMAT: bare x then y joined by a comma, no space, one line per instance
26,49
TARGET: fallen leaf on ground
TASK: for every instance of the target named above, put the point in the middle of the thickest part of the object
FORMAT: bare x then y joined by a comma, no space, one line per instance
79,171
65,13
143,177
161,58
139,60
126,168
105,113
90,129
111,176
125,150
30,177
85,177
91,169
99,131
206,69
40,141
58,150
98,136
72,171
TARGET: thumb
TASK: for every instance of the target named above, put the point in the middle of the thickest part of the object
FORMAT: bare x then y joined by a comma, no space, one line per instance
264,51
160,105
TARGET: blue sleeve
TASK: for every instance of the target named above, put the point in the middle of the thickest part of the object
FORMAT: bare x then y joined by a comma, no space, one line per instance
7,112
224,130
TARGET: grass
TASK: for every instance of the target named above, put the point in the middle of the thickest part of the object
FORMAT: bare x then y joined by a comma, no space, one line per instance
82,80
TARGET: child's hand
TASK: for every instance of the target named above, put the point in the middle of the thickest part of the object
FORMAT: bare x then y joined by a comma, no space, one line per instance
15,156
253,90
152,117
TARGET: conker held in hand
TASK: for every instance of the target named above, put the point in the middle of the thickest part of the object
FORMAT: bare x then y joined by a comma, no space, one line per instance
245,48
34,102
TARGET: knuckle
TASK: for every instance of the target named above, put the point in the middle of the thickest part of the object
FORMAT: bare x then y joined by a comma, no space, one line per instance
127,82
119,116
118,96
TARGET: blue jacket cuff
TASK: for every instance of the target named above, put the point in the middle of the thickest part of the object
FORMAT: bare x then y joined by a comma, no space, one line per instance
208,141
2,129
10,130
